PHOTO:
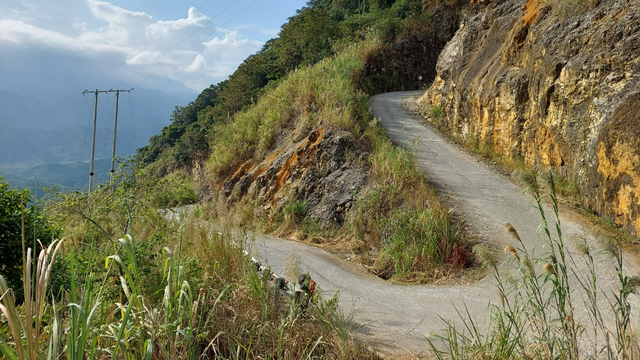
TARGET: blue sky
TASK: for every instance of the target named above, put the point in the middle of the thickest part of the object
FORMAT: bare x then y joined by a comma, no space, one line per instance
168,45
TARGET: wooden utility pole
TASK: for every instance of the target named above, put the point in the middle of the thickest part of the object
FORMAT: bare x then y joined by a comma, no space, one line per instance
93,140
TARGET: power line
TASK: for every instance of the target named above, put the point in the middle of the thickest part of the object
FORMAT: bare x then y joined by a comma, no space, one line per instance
105,135
86,130
133,122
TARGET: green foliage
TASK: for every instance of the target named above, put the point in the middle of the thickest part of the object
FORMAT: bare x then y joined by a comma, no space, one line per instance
188,129
174,190
14,205
402,217
305,39
417,240
296,211
437,112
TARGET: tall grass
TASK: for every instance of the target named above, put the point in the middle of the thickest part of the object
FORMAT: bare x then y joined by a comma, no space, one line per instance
536,316
401,217
192,295
27,328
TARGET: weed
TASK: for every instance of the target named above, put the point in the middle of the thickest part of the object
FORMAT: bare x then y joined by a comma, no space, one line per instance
437,112
402,219
296,212
29,324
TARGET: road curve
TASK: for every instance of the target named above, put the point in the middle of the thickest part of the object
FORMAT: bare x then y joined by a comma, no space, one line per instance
398,318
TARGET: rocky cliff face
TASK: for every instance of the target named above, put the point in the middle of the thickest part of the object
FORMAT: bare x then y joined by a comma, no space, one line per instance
322,169
561,91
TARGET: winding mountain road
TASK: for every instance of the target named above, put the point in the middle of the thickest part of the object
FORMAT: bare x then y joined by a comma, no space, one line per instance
395,318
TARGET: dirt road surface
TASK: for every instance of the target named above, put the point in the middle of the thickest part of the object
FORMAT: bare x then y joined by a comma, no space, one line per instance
396,319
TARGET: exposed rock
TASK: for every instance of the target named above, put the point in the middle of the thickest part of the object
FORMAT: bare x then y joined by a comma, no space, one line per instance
561,92
322,169
409,63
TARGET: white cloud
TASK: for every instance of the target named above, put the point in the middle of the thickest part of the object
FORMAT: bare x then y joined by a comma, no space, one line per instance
221,57
197,65
178,49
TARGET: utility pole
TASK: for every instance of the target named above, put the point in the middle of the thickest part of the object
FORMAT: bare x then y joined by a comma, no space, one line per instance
93,141
115,134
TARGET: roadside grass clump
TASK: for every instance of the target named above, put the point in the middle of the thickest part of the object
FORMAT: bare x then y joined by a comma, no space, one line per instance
437,112
403,228
163,290
175,189
536,317
296,212
297,220
565,186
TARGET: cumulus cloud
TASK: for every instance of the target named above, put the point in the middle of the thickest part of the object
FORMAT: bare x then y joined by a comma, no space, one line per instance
109,37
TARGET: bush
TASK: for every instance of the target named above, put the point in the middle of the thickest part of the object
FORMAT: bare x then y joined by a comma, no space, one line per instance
296,211
174,191
18,219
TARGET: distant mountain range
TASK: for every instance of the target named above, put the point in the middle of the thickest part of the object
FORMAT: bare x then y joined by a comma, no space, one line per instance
49,134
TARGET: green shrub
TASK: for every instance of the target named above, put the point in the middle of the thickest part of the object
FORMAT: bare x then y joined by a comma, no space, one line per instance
402,218
437,112
296,211
21,225
173,191
417,241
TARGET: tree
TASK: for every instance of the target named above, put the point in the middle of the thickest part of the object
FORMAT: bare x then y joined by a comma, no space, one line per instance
181,118
36,228
306,38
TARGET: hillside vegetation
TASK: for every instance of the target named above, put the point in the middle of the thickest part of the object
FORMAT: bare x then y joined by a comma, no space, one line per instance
319,30
268,148
287,144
